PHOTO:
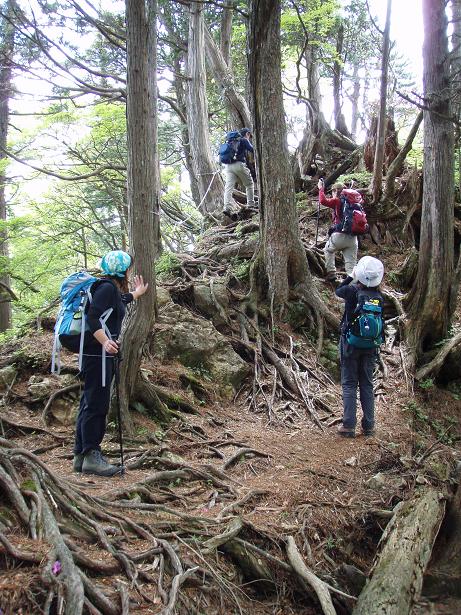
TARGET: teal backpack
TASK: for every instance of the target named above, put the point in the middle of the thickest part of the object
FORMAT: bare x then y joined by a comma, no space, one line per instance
366,329
69,332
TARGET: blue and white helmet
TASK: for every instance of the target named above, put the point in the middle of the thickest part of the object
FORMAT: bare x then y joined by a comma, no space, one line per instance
116,263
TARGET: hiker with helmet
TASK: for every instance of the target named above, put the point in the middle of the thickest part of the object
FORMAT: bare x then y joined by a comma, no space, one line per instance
362,332
342,238
233,155
109,295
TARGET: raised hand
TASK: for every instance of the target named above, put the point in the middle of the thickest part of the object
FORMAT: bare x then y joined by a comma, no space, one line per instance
139,287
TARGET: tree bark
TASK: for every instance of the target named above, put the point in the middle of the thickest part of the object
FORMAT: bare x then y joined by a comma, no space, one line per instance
387,200
456,73
226,32
397,577
340,122
381,132
234,101
185,138
142,183
429,303
355,102
281,264
210,184
6,52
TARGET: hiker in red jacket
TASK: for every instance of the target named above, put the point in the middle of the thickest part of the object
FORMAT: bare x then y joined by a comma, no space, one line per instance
338,241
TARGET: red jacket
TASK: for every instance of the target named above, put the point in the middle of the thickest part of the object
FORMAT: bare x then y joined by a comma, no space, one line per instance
333,203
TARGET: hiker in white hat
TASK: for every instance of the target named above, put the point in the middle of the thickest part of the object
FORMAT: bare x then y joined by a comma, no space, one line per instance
362,332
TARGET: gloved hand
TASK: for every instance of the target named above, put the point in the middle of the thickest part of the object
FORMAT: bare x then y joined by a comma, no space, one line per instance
320,184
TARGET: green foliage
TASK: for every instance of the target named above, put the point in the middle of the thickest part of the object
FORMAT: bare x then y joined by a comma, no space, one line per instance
454,387
441,428
241,268
201,372
361,178
167,264
426,384
28,485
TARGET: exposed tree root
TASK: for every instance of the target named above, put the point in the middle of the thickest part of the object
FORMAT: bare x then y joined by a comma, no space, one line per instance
432,368
307,575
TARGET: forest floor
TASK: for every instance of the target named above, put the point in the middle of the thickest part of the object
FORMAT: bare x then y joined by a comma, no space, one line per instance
325,490
278,473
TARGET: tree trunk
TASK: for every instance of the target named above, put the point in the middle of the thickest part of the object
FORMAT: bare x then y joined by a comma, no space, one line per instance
355,102
429,303
209,180
6,52
381,132
398,573
313,77
281,264
142,182
185,138
456,74
235,102
387,202
226,32
340,122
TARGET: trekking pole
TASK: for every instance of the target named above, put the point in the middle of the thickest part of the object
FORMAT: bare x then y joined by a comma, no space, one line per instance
117,359
318,217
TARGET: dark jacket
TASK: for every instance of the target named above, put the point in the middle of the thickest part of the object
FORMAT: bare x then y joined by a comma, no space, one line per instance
349,292
244,147
105,295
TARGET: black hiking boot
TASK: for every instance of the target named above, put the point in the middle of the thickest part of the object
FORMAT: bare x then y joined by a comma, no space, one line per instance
78,462
345,432
96,463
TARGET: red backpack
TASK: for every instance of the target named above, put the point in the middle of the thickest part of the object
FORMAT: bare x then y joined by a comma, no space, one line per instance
353,218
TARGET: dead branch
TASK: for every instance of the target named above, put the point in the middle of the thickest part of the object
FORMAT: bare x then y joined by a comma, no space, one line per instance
437,362
303,571
240,454
54,396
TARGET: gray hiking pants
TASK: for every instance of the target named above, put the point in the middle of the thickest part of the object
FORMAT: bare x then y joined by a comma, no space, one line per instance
238,172
357,367
341,242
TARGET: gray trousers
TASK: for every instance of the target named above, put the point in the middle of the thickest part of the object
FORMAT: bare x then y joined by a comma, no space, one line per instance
238,172
357,367
341,242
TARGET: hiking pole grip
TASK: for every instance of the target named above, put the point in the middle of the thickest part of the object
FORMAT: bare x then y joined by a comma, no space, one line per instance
117,360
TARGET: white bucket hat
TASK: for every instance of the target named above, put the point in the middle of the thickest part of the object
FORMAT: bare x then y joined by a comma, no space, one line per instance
369,271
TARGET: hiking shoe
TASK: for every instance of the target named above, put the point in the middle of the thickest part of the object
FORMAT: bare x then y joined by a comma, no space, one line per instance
95,463
330,277
345,432
227,212
368,432
78,462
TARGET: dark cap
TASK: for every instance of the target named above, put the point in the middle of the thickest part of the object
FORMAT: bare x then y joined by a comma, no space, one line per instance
244,131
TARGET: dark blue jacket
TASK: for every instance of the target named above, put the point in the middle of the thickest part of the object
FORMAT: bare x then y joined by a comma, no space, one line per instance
106,295
244,146
348,292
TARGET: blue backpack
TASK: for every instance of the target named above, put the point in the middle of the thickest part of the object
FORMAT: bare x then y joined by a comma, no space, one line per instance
228,150
366,329
71,325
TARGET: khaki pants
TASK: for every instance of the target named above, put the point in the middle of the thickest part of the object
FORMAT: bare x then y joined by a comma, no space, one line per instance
238,172
341,242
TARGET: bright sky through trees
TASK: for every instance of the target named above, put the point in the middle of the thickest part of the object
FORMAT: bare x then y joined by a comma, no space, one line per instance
406,29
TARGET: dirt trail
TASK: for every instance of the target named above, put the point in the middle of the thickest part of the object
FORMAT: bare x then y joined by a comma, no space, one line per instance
295,480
